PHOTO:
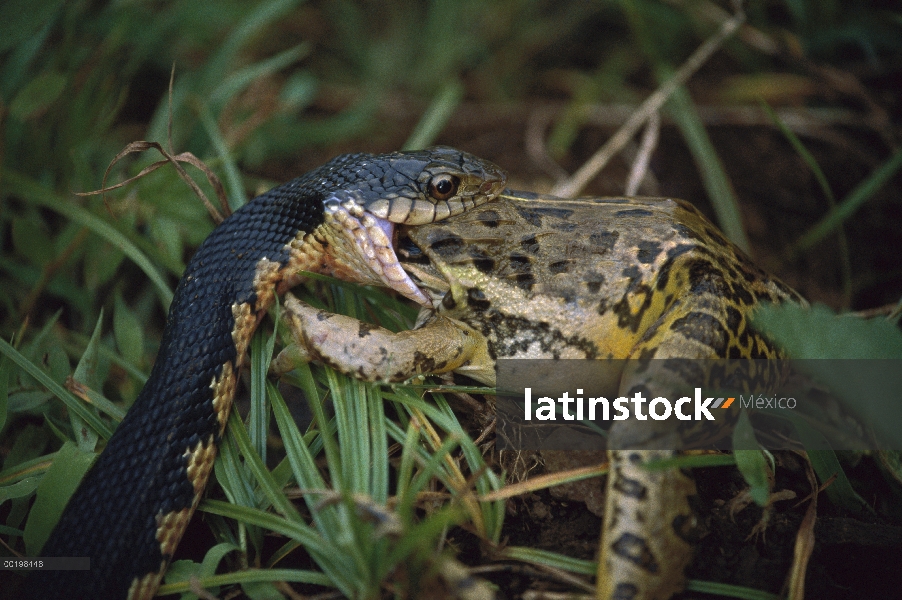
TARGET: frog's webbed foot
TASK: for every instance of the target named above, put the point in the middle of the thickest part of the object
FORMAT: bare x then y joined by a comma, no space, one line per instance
744,499
372,353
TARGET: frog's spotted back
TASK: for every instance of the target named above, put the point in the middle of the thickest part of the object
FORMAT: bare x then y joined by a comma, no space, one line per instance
600,272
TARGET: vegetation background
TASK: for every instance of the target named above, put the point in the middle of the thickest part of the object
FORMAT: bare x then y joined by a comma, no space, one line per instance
789,136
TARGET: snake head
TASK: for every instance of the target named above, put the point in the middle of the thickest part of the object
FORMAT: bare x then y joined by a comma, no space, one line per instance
367,195
413,188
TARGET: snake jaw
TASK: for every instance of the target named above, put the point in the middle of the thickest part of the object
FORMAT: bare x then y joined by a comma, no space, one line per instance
370,241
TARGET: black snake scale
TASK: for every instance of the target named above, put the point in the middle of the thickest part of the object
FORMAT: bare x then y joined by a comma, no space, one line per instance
130,511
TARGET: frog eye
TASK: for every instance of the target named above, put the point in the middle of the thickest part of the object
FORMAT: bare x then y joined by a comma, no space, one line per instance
443,186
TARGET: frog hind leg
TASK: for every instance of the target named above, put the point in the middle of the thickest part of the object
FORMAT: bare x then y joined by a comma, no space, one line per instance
372,353
649,526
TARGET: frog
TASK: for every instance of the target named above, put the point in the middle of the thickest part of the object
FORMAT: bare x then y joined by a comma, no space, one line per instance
530,276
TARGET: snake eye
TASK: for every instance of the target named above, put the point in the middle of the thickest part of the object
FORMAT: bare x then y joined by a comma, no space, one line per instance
442,187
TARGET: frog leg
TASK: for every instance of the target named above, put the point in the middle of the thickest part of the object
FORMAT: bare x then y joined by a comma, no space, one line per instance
649,525
372,353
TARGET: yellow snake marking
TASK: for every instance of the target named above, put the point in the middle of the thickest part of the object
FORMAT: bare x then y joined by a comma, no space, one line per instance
145,587
223,392
245,324
265,279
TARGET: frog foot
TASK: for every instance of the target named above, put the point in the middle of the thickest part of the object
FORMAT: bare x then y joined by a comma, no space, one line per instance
744,499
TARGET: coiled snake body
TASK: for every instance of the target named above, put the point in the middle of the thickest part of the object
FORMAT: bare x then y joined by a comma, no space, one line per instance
130,511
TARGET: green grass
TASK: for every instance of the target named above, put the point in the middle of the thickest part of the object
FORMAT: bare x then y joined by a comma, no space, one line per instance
259,89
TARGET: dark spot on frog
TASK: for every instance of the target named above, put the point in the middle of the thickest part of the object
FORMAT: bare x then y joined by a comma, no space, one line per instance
635,276
730,272
749,274
476,299
489,218
530,217
448,301
743,338
785,288
425,363
625,316
561,266
763,295
632,488
741,295
409,252
663,278
702,328
634,212
648,251
717,237
530,244
594,281
364,329
603,306
448,245
647,353
686,232
603,241
564,226
564,214
519,263
733,320
525,281
761,349
706,278
522,194
639,388
482,262
534,216
634,549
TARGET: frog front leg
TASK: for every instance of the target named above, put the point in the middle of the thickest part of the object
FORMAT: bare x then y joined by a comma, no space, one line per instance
372,353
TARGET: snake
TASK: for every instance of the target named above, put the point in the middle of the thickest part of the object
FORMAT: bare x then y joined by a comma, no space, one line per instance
131,509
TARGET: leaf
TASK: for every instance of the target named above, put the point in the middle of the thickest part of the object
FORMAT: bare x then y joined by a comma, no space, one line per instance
21,19
817,332
128,331
56,389
37,95
751,463
29,237
20,489
867,387
54,492
30,441
86,373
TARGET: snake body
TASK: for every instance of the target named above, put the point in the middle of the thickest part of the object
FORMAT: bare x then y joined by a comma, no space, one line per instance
129,513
